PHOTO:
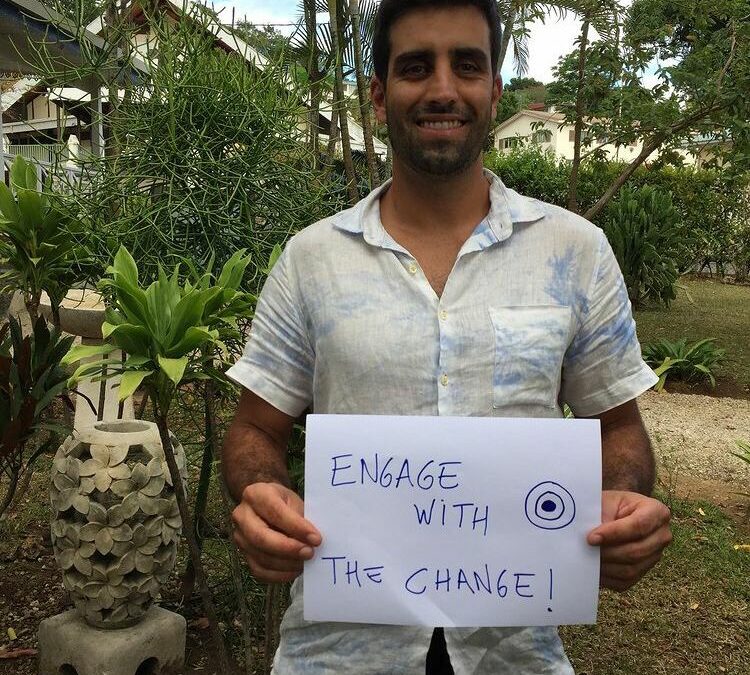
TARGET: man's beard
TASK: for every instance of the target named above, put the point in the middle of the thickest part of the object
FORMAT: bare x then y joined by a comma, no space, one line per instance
437,158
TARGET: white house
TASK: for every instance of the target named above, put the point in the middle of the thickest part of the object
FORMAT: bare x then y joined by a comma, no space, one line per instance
548,130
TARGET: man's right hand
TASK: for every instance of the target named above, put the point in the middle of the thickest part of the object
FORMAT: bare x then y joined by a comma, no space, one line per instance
272,533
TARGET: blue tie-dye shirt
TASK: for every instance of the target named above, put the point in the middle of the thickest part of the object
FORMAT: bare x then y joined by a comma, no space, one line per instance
534,314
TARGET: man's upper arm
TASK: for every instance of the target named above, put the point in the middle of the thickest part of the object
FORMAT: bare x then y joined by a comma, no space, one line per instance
253,411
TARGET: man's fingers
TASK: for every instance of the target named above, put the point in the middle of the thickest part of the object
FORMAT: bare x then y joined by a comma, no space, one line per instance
634,527
254,533
280,515
633,552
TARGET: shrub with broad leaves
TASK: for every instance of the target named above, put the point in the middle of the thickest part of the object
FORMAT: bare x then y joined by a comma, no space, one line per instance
692,363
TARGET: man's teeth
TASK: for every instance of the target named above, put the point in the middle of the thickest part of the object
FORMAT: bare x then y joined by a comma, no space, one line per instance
453,124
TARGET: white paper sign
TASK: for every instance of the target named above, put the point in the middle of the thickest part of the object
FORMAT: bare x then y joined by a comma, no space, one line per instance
447,521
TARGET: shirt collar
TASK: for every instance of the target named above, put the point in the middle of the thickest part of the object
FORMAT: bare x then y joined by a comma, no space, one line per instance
507,208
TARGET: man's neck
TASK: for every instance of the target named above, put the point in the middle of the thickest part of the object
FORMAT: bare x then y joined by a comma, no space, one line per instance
445,206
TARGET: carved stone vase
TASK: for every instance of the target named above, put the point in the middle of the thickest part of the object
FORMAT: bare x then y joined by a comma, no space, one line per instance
115,521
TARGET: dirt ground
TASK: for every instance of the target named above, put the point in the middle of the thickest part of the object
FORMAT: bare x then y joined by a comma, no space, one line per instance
692,435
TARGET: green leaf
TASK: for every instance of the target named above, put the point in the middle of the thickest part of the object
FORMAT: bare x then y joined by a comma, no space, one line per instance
124,265
131,339
78,352
30,206
94,368
130,381
174,369
274,257
137,361
18,173
8,207
193,339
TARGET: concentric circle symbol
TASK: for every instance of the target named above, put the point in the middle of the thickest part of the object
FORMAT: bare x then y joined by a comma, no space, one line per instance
550,506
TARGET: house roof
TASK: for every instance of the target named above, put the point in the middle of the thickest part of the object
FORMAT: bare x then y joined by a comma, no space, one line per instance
537,115
17,90
23,22
225,39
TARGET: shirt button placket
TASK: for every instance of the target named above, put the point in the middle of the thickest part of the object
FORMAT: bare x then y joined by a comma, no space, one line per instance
443,379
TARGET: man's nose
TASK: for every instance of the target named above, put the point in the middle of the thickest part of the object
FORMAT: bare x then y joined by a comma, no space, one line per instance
442,87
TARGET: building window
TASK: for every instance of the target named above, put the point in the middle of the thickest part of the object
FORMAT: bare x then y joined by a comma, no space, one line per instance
572,136
509,142
542,136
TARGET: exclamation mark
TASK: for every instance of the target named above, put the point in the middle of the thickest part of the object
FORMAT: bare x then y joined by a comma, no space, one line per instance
549,609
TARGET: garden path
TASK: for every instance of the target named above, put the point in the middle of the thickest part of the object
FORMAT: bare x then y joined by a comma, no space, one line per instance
694,435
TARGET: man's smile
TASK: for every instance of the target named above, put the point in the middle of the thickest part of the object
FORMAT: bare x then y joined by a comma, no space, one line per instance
441,123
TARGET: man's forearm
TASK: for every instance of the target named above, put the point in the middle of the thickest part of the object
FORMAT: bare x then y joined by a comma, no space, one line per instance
627,458
250,455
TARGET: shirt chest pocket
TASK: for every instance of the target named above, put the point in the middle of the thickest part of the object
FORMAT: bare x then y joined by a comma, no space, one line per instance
530,343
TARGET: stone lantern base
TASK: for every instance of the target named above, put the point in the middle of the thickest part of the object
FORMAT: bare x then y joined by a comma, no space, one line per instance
154,646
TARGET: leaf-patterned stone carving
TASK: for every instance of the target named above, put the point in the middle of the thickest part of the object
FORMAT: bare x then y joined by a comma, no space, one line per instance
115,561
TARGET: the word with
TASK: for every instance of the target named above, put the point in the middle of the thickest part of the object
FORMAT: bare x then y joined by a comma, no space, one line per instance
447,514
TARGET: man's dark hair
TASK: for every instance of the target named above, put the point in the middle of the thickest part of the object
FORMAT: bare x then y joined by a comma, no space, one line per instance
391,10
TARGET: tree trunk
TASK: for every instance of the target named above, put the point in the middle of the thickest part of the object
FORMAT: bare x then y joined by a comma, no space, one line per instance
346,146
204,483
239,588
333,137
313,74
10,491
220,654
507,32
364,98
650,146
580,112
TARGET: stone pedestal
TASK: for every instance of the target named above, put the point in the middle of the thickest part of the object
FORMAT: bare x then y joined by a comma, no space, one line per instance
154,646
82,314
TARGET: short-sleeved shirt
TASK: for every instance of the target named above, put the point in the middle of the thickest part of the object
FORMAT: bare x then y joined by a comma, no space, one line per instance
534,314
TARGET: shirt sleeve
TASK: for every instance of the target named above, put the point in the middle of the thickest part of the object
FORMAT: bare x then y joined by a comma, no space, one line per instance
278,361
603,367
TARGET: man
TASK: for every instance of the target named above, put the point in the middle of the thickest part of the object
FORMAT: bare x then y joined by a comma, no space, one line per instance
442,293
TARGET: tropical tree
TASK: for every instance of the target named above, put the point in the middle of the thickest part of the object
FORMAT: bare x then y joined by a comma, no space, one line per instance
516,17
602,15
335,17
701,89
363,94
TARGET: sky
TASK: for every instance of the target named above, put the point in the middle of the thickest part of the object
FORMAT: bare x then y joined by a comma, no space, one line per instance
547,42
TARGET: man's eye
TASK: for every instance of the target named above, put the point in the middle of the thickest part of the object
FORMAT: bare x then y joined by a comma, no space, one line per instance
468,67
415,70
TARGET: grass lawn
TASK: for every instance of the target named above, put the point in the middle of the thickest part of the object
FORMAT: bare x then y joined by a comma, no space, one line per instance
717,310
690,615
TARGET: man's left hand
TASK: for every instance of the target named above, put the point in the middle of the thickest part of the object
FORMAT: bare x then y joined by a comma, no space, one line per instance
633,534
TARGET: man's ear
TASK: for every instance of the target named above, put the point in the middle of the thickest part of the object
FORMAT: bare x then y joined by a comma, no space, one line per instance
377,95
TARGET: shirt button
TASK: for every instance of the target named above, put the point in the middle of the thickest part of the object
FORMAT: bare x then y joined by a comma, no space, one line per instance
413,269
443,315
444,380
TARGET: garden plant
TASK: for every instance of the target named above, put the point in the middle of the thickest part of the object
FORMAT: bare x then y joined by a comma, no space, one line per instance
31,378
692,363
39,240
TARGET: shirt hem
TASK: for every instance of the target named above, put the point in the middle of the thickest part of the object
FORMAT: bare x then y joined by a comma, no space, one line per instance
251,379
606,399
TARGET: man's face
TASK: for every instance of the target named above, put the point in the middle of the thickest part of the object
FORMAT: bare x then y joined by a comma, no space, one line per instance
441,94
